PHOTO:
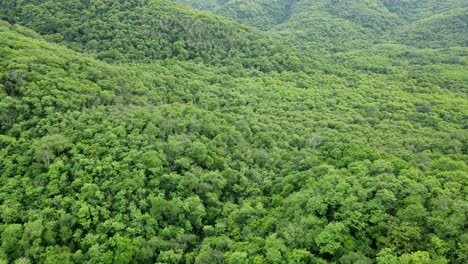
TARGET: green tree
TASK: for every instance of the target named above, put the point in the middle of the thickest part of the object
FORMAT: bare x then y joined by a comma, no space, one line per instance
331,239
50,147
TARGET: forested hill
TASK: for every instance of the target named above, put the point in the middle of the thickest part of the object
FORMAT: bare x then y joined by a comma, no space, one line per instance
125,137
323,25
262,14
439,31
144,31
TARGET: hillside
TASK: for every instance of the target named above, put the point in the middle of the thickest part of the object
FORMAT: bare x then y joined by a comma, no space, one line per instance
438,31
258,13
261,14
144,31
347,25
353,156
413,10
340,25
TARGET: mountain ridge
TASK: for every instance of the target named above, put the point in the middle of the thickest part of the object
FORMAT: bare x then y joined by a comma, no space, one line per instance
364,21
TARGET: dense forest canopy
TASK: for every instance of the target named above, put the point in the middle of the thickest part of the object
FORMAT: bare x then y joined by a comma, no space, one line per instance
143,31
145,131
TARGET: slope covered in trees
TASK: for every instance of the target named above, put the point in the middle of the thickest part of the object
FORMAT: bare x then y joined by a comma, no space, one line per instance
438,31
324,25
147,30
258,13
346,25
359,157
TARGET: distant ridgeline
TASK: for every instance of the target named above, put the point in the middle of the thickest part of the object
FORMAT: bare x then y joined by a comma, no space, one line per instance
324,25
137,30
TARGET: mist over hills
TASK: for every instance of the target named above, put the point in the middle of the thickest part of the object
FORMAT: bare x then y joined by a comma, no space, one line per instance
264,131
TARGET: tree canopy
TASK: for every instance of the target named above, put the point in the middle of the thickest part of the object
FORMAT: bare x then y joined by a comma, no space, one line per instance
148,132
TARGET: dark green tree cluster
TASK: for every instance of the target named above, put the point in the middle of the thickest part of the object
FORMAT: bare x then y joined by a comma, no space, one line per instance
258,13
149,30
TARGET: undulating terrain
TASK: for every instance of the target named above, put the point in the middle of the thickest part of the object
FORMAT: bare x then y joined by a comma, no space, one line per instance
234,131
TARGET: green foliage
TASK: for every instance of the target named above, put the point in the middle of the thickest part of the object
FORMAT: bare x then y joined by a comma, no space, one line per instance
51,146
199,140
258,13
445,29
324,25
156,30
330,239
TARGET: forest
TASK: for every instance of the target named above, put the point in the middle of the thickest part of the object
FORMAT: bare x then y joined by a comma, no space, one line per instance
234,131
